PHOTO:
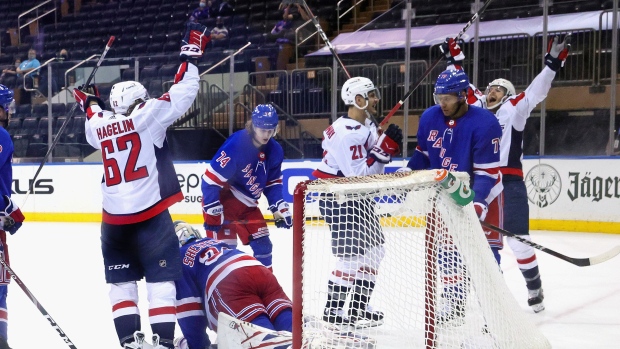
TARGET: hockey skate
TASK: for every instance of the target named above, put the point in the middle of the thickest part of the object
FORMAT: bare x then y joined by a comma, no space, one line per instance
451,311
138,342
367,317
535,300
335,316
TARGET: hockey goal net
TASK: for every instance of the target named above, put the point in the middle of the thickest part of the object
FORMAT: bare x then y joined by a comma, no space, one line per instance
436,282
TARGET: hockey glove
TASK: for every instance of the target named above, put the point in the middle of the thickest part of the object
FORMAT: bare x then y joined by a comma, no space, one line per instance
481,210
453,53
11,216
386,146
194,42
282,214
213,214
557,53
85,96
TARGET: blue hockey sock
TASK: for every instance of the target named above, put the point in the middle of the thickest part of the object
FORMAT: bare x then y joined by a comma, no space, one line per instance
126,325
284,321
532,278
263,321
262,248
165,330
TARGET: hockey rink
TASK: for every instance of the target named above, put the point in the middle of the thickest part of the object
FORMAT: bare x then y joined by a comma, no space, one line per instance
61,264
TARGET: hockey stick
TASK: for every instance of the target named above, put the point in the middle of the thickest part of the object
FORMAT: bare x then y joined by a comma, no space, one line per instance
64,124
580,262
61,333
433,65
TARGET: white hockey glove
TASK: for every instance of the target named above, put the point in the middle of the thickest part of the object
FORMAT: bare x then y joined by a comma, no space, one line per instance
557,53
195,41
282,215
481,210
453,53
213,214
388,145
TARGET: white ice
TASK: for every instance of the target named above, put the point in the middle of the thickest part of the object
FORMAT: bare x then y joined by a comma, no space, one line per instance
61,264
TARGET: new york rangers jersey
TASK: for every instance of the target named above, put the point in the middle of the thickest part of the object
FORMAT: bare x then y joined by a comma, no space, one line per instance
206,263
248,171
6,161
139,179
468,144
346,144
512,116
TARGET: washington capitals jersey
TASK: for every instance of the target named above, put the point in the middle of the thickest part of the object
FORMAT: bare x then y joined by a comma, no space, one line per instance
139,179
206,262
346,144
512,116
468,144
6,160
248,171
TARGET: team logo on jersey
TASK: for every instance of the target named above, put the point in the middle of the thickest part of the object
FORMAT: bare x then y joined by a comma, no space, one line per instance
162,263
353,128
262,156
543,185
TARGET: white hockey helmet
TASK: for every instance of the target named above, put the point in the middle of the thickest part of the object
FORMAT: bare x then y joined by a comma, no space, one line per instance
124,94
357,86
506,85
185,232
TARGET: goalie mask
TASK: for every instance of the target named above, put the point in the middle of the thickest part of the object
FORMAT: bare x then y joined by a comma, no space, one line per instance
498,85
185,232
125,94
358,86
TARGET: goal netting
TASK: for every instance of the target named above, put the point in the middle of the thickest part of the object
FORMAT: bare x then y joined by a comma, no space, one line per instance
397,264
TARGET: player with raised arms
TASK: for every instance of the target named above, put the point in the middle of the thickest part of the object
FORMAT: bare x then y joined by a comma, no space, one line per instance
352,146
246,166
139,184
219,279
512,111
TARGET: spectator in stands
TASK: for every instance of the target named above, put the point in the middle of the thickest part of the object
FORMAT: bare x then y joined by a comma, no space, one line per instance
9,74
31,80
63,55
202,12
219,32
284,32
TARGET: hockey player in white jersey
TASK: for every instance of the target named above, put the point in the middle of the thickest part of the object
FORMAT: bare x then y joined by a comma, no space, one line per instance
512,111
353,147
139,184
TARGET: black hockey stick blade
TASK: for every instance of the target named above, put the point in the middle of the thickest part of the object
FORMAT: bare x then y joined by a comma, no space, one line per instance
580,262
61,333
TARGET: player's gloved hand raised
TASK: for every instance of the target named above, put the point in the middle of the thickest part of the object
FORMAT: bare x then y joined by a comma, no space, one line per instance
481,210
557,52
213,214
11,216
388,145
86,95
194,42
453,53
282,215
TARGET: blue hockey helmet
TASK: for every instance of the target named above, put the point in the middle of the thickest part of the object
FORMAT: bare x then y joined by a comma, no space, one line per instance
6,97
451,81
264,116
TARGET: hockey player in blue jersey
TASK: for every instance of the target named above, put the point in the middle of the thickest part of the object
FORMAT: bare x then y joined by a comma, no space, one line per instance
455,136
247,165
217,279
11,217
512,111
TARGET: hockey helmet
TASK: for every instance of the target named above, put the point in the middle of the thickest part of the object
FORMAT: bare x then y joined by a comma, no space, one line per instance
509,90
6,97
265,116
451,81
185,232
357,86
124,94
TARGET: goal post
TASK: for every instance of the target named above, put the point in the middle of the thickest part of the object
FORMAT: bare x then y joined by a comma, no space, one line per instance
399,246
